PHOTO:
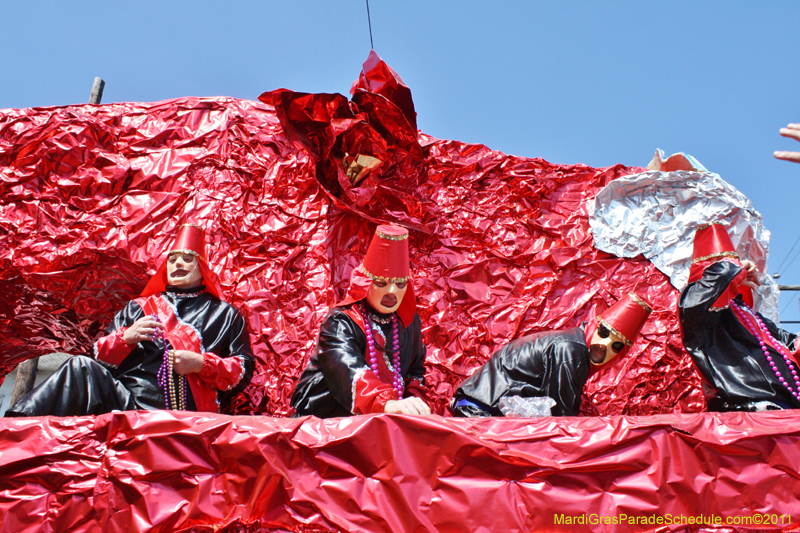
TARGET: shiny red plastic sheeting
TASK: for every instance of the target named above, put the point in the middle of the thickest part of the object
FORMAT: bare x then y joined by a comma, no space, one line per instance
90,197
169,471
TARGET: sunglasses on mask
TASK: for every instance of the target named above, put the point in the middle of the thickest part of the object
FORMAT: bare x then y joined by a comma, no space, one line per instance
603,332
381,284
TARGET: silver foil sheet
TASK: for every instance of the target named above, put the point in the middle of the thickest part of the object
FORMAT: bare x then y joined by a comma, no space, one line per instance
656,214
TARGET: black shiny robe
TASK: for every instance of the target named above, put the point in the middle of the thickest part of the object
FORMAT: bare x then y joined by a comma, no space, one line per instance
733,367
554,364
84,386
220,327
325,388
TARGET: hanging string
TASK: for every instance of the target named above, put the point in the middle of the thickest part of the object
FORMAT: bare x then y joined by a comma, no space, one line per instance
369,20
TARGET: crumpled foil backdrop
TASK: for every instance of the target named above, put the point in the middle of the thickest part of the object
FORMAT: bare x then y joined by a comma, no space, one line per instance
656,214
501,246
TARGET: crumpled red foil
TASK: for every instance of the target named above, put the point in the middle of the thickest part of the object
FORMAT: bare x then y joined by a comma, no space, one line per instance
90,197
175,471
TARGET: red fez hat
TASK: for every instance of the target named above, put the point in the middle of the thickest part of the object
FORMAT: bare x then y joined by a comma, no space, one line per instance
624,319
191,239
387,255
387,261
711,244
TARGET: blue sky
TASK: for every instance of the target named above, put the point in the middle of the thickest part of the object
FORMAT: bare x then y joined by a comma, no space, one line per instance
598,83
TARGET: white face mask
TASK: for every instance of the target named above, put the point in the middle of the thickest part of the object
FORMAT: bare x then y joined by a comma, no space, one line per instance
183,270
386,297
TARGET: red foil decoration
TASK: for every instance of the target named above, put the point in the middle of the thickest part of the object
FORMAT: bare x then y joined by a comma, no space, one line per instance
500,245
176,471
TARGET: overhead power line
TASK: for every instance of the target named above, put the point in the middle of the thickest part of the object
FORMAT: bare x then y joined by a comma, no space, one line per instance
778,270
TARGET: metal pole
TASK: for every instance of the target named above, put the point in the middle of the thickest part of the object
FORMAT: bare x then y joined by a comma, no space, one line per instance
97,91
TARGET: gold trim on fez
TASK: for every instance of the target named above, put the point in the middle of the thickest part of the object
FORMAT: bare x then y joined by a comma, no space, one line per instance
640,302
613,330
192,226
382,235
708,225
718,254
381,279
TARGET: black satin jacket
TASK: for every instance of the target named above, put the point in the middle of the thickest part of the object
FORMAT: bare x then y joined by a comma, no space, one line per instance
733,367
325,388
554,364
222,330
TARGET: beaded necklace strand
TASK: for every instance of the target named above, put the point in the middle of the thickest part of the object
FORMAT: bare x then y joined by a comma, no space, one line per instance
175,397
372,352
756,326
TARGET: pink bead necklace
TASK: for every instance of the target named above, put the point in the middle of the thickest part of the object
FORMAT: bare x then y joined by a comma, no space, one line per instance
756,326
372,351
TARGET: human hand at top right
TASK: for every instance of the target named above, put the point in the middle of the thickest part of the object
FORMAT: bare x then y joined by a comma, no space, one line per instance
792,131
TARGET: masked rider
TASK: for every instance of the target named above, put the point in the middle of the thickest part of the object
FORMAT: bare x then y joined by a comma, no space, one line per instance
554,364
369,356
178,346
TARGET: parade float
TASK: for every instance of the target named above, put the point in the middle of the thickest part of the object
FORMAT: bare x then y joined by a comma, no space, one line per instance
289,189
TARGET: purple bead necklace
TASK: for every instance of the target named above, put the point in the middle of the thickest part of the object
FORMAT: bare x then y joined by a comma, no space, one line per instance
175,399
756,326
372,351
